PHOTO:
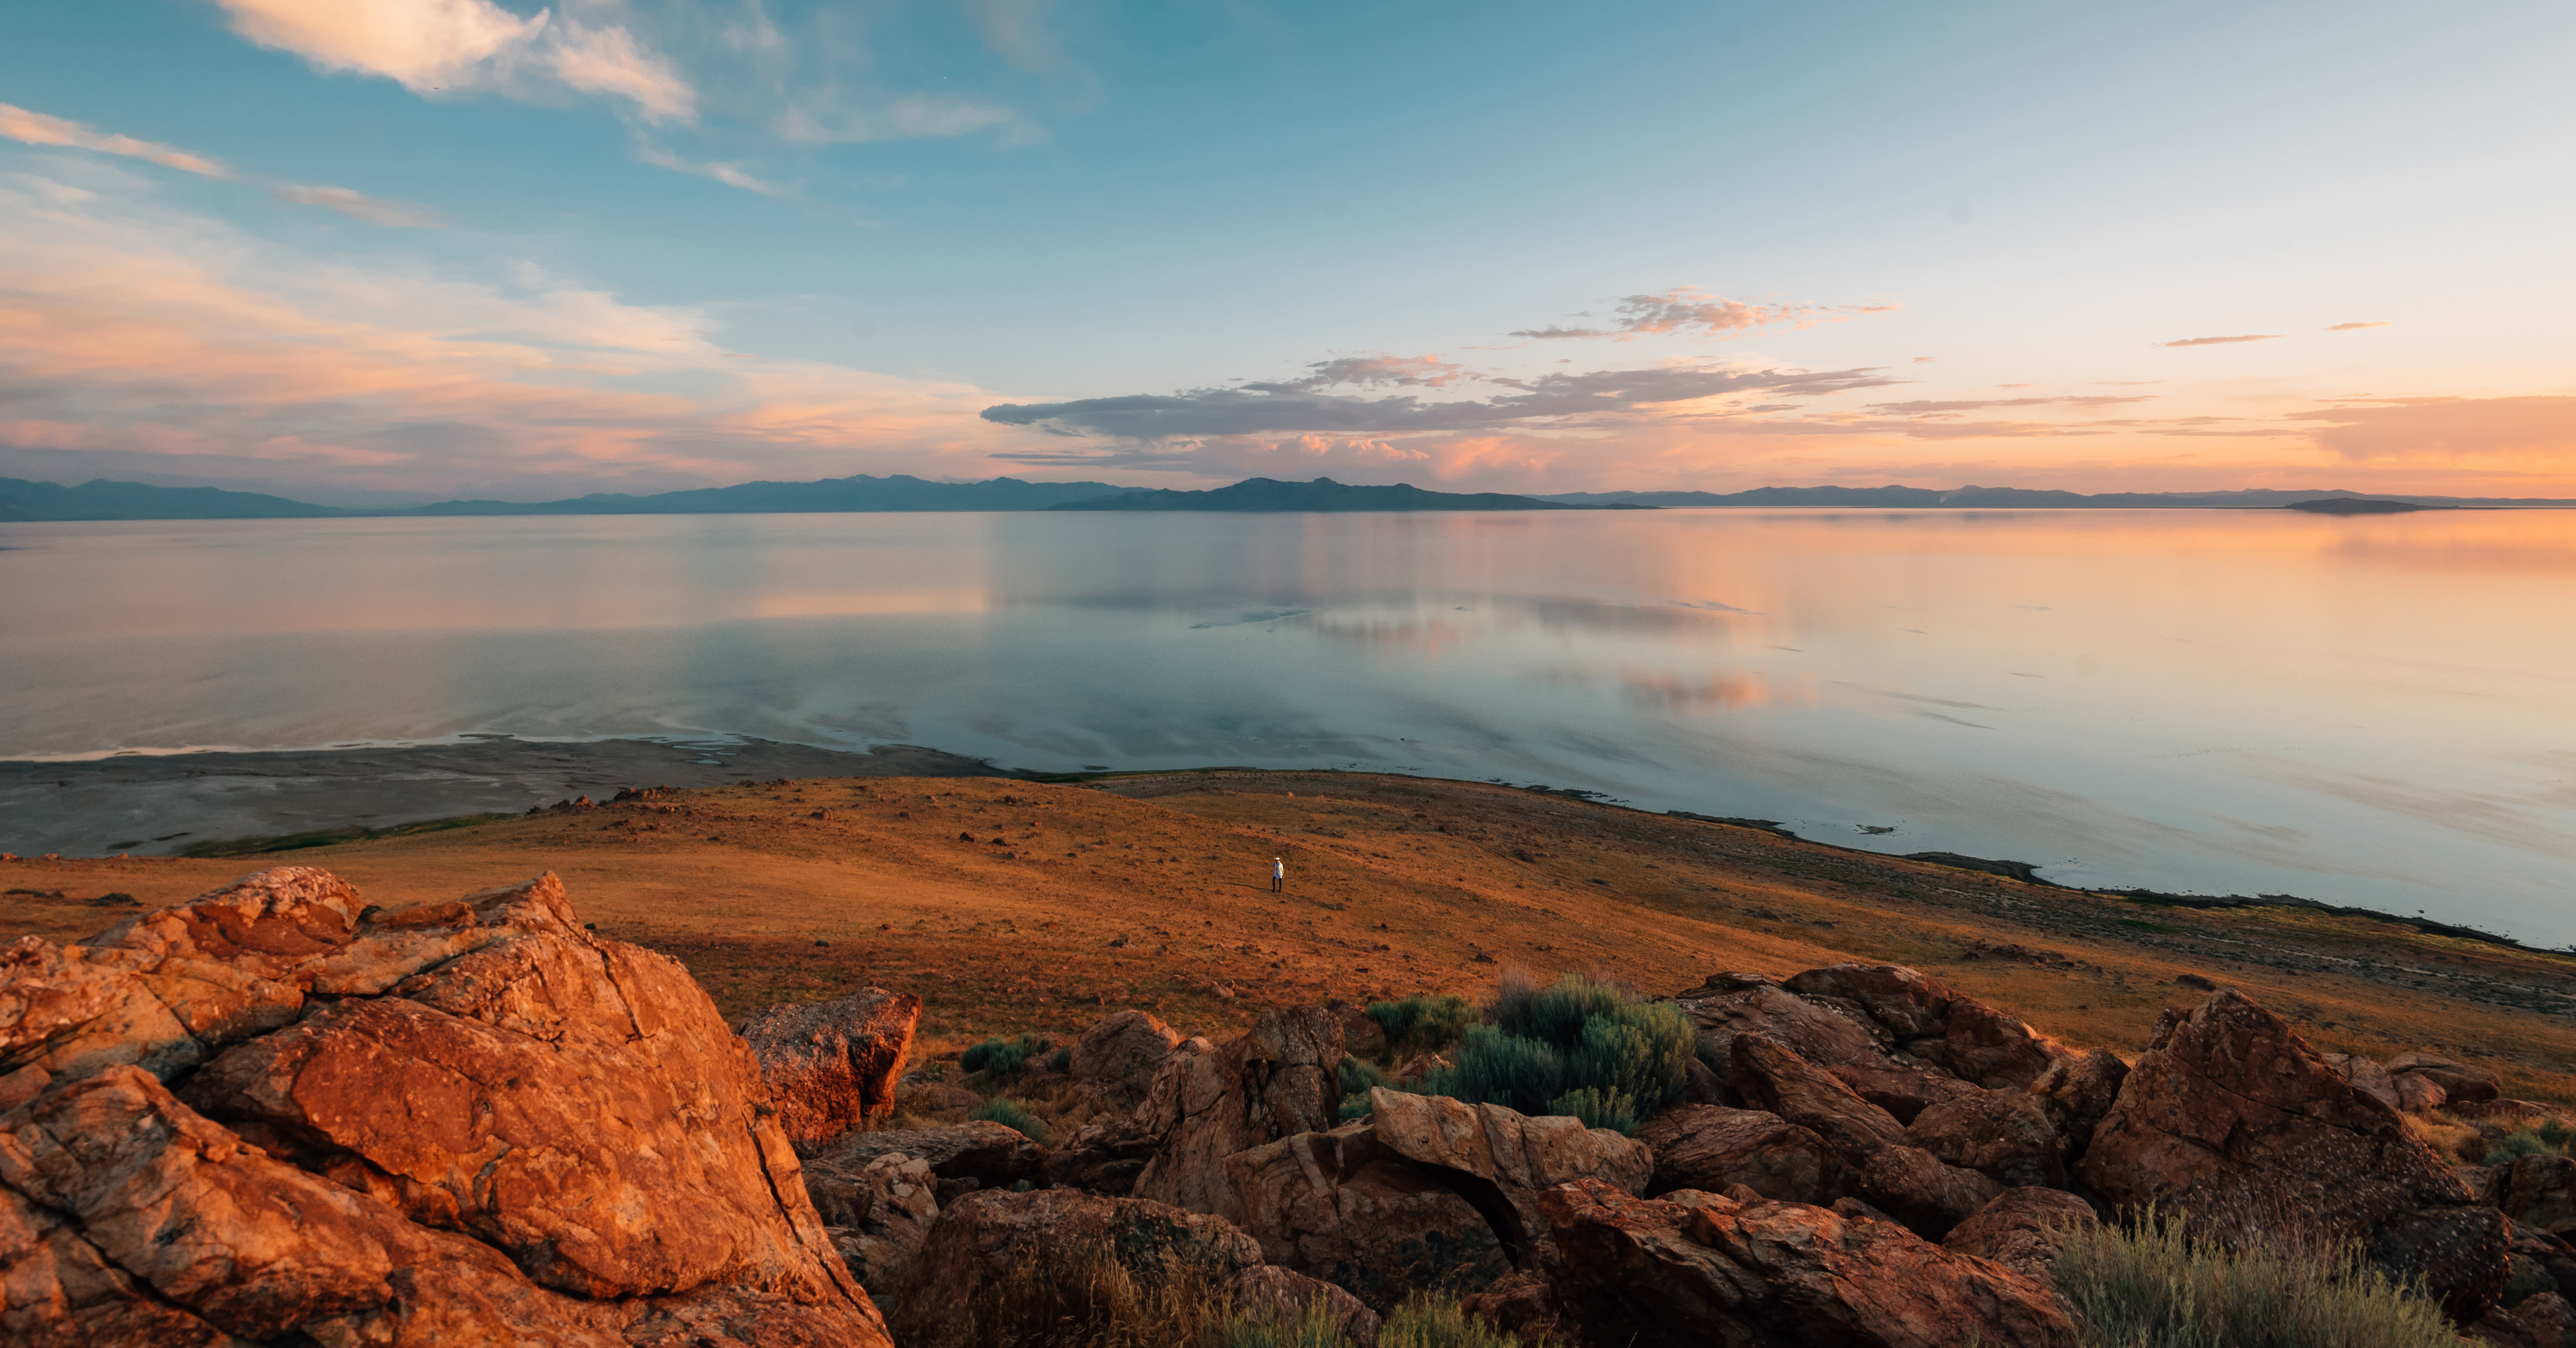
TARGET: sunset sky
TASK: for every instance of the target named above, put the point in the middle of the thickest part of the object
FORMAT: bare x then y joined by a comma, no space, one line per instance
371,251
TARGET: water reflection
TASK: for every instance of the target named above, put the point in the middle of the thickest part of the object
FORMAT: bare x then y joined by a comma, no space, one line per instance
2372,710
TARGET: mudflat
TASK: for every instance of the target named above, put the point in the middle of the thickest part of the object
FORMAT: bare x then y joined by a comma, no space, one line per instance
1013,905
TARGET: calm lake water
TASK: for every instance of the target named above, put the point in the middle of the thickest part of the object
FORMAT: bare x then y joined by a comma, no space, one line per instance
2372,711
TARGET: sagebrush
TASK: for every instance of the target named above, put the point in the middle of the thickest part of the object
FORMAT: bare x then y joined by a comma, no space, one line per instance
2165,1282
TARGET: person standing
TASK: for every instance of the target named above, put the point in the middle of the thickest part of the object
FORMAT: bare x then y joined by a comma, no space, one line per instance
1278,875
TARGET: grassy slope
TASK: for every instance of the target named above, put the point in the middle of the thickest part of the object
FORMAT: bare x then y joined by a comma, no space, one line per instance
1396,885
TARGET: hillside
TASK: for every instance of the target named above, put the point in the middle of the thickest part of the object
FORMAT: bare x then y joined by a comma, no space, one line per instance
1152,891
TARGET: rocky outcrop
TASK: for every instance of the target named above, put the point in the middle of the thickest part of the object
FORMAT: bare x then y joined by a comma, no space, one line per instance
1281,1079
1118,1057
878,1216
1695,1269
1425,1193
1903,1091
2077,1094
2366,1075
1983,1045
2231,1115
2459,1082
1770,1076
992,1155
2001,1134
1929,1195
984,1238
832,1066
1103,1158
1711,1147
2024,1230
1277,1294
2535,1191
468,1120
1731,1005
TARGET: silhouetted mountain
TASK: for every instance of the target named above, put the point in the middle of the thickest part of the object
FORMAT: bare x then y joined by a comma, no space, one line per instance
1255,494
2356,505
101,499
2010,498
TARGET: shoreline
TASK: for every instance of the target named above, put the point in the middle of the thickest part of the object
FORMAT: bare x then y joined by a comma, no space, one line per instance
156,803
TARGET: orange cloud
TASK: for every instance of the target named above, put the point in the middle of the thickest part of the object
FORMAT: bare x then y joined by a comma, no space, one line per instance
36,128
2223,341
430,46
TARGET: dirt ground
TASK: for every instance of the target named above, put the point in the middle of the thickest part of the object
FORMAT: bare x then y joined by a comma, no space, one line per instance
1015,906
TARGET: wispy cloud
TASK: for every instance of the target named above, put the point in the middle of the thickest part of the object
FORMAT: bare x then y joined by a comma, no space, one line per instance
1691,311
439,46
731,174
37,128
913,117
1972,404
1372,372
2223,341
2356,327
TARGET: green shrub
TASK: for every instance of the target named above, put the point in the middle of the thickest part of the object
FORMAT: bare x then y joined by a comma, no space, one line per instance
2514,1146
1063,1059
1581,1042
1421,1024
1359,1077
2158,1284
1010,1114
1436,1322
1002,1058
2557,1134
1600,1108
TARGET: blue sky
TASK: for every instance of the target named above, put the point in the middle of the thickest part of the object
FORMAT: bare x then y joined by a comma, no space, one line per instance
401,249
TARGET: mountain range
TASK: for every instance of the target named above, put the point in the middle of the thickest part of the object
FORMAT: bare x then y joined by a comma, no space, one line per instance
23,500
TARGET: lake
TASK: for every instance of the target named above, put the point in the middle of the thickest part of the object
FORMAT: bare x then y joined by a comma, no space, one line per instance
2374,711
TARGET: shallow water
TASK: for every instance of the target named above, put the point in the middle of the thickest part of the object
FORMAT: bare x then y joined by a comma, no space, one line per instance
2372,711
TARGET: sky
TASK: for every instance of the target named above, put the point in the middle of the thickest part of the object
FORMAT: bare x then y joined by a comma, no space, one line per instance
385,251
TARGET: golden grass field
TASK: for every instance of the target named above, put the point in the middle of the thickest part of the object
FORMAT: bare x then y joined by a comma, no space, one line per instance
1012,906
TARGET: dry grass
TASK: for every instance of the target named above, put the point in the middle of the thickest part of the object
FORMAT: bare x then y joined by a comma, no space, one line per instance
2160,1284
1153,893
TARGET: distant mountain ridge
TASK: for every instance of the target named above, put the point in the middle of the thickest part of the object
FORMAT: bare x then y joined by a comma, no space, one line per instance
1267,495
27,501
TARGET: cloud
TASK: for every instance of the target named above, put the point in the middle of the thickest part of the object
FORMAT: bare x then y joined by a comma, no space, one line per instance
1971,404
2541,428
730,174
1372,371
914,117
1253,410
36,128
435,46
1690,311
2222,341
359,206
2356,327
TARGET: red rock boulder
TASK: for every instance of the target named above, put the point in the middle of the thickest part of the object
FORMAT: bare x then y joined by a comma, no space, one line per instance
832,1066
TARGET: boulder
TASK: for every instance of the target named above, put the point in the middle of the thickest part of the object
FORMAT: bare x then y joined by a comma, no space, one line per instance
2461,1254
1922,1191
993,1155
2543,1320
2023,1230
1770,1076
832,1066
2535,1191
2000,1134
878,1216
1118,1057
1730,1005
985,1237
2367,1076
468,1120
2076,1094
1710,1147
1983,1045
2459,1081
1281,1079
2420,1094
1904,1002
1424,1193
1102,1158
1694,1269
1903,1091
2230,1112
1279,1294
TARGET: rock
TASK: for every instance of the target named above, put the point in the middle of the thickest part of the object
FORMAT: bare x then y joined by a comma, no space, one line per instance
2543,1320
991,1154
1281,1079
1727,1008
1424,1193
468,1121
1922,1191
2000,1134
1983,1045
1903,1091
2420,1094
985,1236
1102,1158
1768,1075
878,1216
1700,1086
2077,1093
2366,1076
1362,1036
1694,1269
2541,1262
1527,1310
1904,1002
1118,1057
2024,1230
1280,1294
2459,1081
2535,1191
2230,1113
1711,1147
831,1066
2463,1255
